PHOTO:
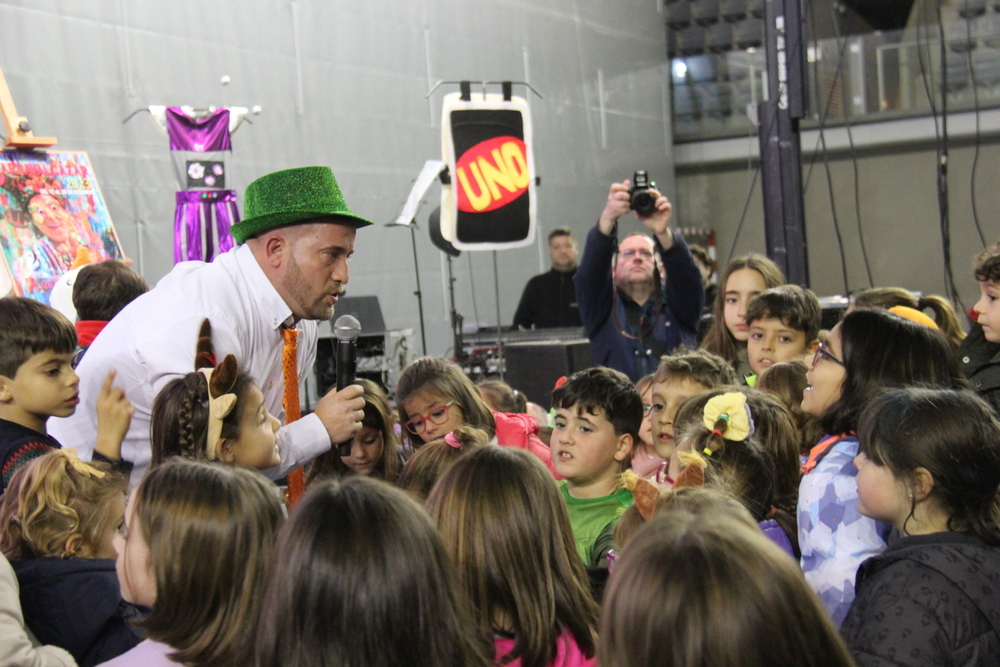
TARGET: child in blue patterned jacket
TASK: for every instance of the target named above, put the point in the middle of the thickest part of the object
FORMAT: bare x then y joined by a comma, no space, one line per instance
867,352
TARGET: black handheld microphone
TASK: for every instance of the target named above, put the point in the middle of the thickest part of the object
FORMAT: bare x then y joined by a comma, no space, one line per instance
346,330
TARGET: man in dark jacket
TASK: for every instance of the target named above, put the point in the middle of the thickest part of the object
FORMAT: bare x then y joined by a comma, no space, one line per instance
549,299
632,316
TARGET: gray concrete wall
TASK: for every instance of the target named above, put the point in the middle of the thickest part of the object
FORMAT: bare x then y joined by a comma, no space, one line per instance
342,84
899,214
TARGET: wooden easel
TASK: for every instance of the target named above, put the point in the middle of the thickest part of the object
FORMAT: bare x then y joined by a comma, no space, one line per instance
19,133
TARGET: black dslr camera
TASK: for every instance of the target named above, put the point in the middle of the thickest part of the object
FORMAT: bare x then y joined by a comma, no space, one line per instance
641,200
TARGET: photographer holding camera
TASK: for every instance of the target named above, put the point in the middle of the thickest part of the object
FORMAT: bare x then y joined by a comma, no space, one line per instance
631,313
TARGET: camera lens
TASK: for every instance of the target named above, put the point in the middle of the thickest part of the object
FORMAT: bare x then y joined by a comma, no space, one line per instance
643,203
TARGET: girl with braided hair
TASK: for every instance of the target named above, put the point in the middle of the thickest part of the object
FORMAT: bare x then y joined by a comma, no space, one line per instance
215,413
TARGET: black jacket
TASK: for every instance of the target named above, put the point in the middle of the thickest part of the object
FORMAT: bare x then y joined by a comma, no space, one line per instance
927,600
981,365
76,604
549,301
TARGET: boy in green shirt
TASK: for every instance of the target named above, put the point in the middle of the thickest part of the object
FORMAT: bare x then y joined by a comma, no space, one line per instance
598,414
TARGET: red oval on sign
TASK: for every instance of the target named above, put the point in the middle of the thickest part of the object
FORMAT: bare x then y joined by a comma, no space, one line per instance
491,174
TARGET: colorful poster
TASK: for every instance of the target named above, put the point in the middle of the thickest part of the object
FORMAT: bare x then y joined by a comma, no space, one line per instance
52,218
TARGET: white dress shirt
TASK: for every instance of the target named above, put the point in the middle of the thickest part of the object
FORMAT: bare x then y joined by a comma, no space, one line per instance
152,341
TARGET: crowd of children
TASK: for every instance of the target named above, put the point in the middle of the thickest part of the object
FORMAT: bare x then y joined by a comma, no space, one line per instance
783,496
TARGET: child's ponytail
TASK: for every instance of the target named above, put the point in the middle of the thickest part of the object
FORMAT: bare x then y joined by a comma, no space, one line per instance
945,317
465,437
724,453
428,463
725,417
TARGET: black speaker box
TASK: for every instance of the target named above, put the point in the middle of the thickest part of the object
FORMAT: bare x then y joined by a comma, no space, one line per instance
533,368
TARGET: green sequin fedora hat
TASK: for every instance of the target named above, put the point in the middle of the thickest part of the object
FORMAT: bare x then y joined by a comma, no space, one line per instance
292,196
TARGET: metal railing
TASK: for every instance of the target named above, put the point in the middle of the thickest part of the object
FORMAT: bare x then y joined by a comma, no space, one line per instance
858,78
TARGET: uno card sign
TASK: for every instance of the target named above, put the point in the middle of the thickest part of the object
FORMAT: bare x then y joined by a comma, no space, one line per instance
490,203
492,174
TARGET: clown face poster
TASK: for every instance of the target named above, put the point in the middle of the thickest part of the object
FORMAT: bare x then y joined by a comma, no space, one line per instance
52,219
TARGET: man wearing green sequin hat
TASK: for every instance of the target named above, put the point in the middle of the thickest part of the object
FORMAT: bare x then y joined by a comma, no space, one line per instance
301,232
286,273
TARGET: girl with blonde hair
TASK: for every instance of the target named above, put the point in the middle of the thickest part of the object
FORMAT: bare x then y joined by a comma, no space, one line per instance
58,519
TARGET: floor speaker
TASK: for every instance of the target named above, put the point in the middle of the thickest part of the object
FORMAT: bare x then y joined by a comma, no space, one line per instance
534,367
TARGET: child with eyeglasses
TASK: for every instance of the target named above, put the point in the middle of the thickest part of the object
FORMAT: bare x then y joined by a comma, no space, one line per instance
435,397
645,460
867,352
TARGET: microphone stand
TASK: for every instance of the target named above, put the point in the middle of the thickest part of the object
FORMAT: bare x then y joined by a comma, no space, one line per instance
430,172
456,319
418,293
496,289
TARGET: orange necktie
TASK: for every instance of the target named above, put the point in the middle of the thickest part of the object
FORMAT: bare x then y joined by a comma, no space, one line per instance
290,372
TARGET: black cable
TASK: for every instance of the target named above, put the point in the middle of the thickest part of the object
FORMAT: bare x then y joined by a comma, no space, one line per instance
975,106
774,117
746,207
854,152
821,142
925,77
825,111
942,171
922,23
833,211
472,285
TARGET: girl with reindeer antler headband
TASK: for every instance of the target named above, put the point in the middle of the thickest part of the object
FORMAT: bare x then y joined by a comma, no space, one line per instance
215,413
